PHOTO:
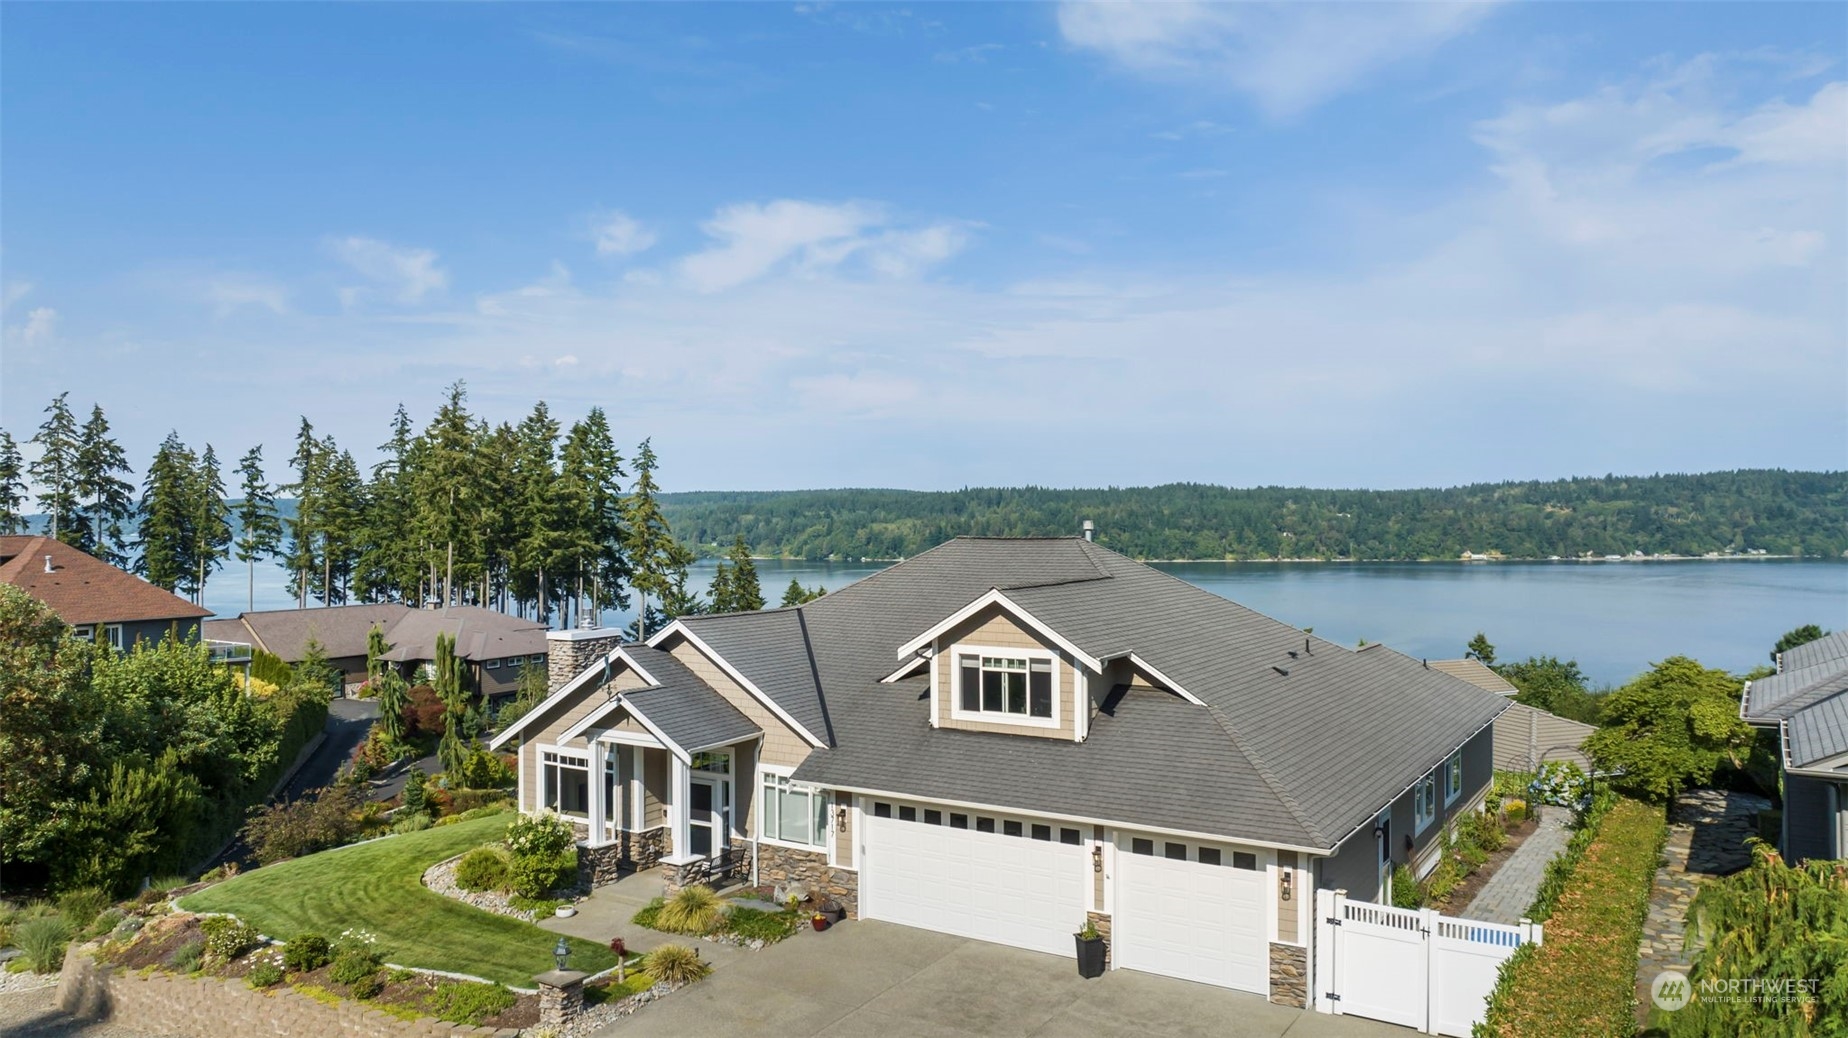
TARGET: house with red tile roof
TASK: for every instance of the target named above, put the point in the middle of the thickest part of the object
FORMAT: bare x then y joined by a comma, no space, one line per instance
96,599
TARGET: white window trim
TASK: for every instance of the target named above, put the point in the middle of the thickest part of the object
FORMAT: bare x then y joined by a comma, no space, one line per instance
114,633
492,664
1420,819
583,758
1453,773
757,809
84,632
957,713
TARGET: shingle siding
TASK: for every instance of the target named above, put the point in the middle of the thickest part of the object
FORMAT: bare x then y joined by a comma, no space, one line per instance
995,628
782,746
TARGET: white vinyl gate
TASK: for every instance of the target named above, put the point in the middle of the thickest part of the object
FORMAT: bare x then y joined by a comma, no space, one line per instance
1412,967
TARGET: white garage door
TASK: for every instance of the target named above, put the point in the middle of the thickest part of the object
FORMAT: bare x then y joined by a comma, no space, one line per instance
1198,913
1012,890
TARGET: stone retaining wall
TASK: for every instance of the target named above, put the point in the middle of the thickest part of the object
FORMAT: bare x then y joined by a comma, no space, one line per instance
215,1007
600,866
783,864
1289,975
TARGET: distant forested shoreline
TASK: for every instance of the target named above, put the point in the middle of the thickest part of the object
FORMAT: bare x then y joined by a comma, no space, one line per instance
1773,511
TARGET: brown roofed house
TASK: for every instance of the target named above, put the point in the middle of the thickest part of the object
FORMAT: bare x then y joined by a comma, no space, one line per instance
95,598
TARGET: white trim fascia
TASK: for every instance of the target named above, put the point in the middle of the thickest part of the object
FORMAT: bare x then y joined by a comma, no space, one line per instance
1144,665
1017,812
936,690
565,690
616,738
907,668
996,597
680,628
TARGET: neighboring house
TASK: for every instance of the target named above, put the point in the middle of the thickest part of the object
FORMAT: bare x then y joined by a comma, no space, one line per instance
1525,736
1807,702
1002,737
495,646
96,599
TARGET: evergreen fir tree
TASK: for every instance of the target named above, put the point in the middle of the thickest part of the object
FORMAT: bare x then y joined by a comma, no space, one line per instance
55,471
301,556
1480,650
743,593
444,484
450,688
341,521
166,535
647,541
795,594
109,503
12,486
388,565
259,531
211,525
590,488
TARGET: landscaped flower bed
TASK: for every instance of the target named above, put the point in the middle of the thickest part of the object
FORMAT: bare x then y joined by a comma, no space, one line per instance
698,912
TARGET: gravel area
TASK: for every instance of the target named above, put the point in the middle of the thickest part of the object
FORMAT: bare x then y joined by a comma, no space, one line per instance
11,982
33,1014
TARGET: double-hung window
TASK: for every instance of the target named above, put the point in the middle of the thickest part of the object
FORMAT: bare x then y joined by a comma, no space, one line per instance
1453,778
114,633
566,778
1010,687
1424,802
790,812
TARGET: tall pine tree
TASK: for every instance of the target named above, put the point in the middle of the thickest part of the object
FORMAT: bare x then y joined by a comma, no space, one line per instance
444,484
259,532
55,471
590,487
538,522
108,500
647,541
389,564
735,588
12,486
168,513
211,524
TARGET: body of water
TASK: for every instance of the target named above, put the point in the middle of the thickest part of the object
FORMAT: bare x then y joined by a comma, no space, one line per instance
1614,618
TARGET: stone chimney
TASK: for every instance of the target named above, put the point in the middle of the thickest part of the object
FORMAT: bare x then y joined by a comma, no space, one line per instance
569,652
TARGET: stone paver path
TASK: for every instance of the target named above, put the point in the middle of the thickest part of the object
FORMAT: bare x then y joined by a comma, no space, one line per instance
1505,897
1706,839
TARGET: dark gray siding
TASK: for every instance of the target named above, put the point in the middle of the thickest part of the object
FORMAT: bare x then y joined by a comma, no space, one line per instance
1354,868
1808,824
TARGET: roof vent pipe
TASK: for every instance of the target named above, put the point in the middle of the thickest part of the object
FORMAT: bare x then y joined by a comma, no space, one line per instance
48,566
1090,530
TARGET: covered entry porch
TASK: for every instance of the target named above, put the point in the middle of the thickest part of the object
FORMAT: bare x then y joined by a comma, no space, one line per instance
655,776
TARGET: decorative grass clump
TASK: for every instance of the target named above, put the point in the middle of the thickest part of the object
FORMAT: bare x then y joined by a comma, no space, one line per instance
42,940
81,907
692,910
674,965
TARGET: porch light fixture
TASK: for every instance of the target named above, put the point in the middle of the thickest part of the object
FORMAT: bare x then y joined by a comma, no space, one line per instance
1097,857
561,951
1285,891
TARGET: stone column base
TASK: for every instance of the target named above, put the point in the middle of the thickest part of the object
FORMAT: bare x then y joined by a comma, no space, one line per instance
1289,975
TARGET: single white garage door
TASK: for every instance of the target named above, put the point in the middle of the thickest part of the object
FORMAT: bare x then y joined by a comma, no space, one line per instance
1198,913
1011,890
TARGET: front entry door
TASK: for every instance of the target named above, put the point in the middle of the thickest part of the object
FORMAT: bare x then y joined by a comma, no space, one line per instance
706,817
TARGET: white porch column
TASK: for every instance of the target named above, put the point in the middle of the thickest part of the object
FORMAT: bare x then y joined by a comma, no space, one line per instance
681,796
598,809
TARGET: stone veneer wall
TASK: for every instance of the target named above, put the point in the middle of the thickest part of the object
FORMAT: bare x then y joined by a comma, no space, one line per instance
216,1007
1102,922
783,864
569,652
600,866
1289,975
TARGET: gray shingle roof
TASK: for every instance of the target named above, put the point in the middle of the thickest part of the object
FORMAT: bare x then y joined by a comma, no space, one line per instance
1781,696
771,648
1819,732
686,709
1302,758
1829,648
481,634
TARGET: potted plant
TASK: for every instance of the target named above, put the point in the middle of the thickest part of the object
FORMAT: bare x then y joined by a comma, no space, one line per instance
1090,950
832,910
818,921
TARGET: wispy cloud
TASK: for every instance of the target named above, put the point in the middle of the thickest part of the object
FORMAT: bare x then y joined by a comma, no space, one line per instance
1287,57
40,326
406,274
229,293
618,234
753,239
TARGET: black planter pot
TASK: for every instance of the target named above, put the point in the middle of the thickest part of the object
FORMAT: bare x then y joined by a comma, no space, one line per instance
833,911
1090,957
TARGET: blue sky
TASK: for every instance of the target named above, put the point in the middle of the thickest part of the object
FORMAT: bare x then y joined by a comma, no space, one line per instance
941,244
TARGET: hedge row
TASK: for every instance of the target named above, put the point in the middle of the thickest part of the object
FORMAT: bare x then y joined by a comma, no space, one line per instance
1582,980
1559,870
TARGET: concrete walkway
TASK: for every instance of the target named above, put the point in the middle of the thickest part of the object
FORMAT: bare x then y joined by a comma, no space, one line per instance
1505,897
882,980
606,913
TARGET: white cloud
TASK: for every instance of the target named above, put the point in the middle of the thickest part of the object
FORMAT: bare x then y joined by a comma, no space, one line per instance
14,292
407,274
41,324
229,293
566,361
1287,57
811,237
618,234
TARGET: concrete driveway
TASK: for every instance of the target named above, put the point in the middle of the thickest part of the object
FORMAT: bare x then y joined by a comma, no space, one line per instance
878,979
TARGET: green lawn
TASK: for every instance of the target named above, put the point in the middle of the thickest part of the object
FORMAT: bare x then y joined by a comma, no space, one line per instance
375,886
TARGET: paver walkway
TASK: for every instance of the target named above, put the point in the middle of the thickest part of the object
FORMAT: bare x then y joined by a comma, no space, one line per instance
1505,897
1707,831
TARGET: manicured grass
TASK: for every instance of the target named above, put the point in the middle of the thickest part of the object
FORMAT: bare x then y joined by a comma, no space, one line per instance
1581,980
376,886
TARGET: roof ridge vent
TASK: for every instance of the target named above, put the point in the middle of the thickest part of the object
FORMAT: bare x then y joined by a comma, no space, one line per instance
49,568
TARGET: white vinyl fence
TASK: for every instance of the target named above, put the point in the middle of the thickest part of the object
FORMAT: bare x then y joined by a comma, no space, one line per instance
1411,967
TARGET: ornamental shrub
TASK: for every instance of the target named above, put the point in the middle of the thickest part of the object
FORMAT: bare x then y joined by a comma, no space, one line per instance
1406,893
367,987
354,965
227,938
544,854
187,957
692,910
484,868
265,974
308,951
1560,783
80,907
468,1002
321,819
675,965
43,940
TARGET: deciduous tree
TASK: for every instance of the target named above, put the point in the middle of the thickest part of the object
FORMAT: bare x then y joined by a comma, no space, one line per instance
1795,637
1671,728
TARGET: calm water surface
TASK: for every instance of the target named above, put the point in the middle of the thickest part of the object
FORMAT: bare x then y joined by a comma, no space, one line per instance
1614,618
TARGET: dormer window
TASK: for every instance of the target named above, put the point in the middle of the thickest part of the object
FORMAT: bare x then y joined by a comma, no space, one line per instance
1011,685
